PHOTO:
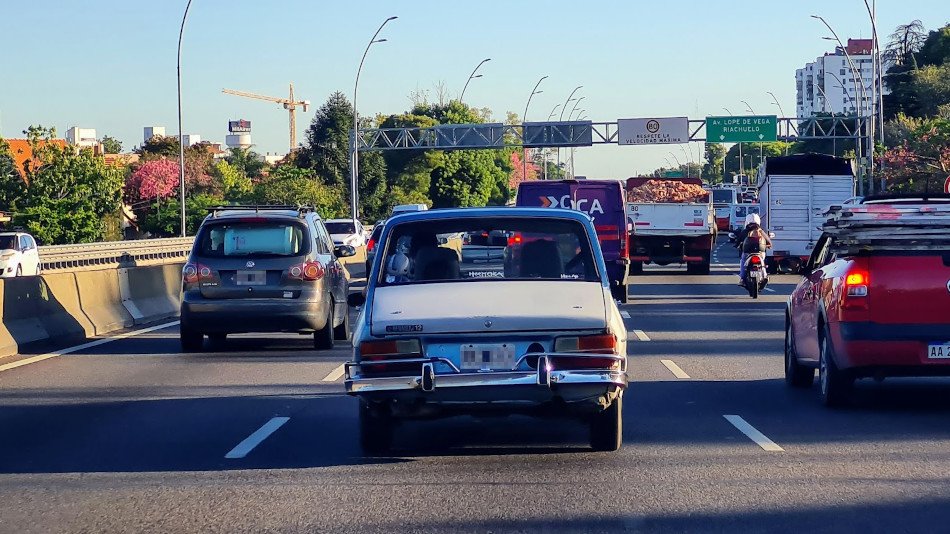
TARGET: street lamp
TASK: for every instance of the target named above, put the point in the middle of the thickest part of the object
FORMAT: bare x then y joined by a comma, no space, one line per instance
782,112
576,102
462,96
689,159
354,145
740,154
748,107
727,111
181,135
569,119
676,159
877,84
524,118
561,117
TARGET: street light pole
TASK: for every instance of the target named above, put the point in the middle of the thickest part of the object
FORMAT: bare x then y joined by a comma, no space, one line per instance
782,112
545,151
569,119
354,144
181,136
877,83
741,170
524,118
561,117
462,96
748,107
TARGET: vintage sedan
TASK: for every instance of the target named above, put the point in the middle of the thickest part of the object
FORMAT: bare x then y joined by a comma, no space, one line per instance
533,331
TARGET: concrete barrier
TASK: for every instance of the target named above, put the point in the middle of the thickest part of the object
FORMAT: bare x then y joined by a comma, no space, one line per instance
151,293
8,345
101,300
42,308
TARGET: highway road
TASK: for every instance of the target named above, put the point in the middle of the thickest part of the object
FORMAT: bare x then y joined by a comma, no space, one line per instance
255,435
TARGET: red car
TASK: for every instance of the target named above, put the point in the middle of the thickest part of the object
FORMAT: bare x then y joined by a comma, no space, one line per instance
874,300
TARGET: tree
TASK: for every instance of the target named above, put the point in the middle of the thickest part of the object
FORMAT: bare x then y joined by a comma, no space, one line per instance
753,154
159,146
68,192
712,170
291,185
906,41
235,186
465,178
156,179
246,161
921,162
111,145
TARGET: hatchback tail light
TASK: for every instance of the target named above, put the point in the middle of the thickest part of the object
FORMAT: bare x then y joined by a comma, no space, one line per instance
514,239
597,344
309,271
194,272
370,245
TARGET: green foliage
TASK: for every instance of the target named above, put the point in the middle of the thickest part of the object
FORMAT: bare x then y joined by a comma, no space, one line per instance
246,161
931,86
164,219
159,146
753,154
233,183
295,186
111,145
920,78
464,178
712,170
328,141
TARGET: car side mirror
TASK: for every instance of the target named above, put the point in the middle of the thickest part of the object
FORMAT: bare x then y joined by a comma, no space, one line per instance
355,300
344,251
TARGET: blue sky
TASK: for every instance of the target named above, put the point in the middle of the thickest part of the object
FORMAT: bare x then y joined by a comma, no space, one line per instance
110,65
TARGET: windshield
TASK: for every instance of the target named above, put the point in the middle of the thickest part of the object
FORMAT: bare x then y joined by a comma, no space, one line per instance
488,249
7,242
341,227
253,239
723,196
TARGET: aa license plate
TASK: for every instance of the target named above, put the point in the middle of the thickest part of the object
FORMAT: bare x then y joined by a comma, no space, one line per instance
938,351
488,357
250,278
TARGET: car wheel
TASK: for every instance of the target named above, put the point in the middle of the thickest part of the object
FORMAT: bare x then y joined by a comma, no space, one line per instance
796,374
606,427
191,341
835,384
376,429
342,332
323,338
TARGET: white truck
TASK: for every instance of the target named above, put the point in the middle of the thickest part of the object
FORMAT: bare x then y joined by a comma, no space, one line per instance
671,232
794,192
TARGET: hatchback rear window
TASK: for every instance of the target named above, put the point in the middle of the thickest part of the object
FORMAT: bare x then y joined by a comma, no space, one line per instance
253,239
340,227
7,242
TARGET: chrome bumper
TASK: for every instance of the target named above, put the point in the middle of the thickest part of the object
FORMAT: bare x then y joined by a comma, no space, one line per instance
546,376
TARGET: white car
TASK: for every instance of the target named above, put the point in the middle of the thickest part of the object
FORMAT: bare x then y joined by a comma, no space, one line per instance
346,232
533,329
18,255
408,208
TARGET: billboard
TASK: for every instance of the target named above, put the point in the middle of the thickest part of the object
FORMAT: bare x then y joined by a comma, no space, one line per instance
239,126
653,131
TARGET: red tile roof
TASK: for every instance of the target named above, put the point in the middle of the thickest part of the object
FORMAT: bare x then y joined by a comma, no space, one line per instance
22,152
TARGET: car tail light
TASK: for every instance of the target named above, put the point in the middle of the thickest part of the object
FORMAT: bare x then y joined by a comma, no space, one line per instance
195,272
755,260
390,350
585,362
309,271
598,344
515,239
370,245
856,283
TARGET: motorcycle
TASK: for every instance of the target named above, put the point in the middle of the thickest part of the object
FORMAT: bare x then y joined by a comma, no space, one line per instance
756,277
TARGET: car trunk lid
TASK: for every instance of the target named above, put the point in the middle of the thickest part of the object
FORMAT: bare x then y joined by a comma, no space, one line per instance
909,288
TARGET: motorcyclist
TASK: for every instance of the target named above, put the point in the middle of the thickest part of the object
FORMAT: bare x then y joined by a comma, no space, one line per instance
751,240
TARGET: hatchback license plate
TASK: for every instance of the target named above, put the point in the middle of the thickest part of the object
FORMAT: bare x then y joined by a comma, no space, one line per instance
250,278
488,357
938,351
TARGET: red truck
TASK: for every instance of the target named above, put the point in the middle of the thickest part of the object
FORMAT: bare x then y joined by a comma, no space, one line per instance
874,300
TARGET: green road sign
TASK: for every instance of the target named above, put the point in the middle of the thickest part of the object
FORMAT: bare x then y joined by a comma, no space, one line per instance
674,174
745,129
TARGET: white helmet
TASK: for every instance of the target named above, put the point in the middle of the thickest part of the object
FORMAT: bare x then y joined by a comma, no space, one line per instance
398,265
753,218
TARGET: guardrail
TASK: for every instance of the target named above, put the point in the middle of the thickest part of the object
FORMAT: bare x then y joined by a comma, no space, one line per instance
115,253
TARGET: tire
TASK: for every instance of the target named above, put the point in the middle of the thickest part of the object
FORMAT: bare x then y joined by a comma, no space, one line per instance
796,374
753,289
376,429
342,332
620,292
636,267
323,338
606,427
834,384
191,341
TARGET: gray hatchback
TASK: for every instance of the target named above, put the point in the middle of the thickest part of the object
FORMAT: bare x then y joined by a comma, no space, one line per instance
264,269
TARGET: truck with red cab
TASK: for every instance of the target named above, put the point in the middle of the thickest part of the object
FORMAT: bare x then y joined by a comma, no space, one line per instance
874,299
603,201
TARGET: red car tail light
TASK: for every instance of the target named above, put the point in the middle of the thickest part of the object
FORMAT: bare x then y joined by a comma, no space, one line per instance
370,245
514,240
856,283
309,271
597,344
755,260
399,349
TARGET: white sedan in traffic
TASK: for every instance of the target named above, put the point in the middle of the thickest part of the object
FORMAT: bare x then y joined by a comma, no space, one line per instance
346,232
531,330
19,255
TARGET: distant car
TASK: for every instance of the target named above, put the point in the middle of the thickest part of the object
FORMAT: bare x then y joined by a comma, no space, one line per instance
408,208
346,232
372,243
264,270
534,330
19,255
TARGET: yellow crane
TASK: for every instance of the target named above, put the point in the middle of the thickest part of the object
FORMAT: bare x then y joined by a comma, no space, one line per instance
289,104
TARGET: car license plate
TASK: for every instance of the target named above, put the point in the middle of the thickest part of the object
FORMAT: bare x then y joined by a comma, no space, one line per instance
938,351
250,278
488,357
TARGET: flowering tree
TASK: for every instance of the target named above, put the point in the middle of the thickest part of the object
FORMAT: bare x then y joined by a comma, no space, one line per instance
156,179
921,162
521,172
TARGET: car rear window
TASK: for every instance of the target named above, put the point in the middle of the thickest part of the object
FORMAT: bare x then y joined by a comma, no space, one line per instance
340,227
7,242
502,248
253,239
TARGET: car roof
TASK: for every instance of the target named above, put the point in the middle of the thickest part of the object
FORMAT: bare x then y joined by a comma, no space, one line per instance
474,213
262,213
338,220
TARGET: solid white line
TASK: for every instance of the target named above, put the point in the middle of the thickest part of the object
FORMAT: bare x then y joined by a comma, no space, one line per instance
753,434
334,375
625,314
256,438
84,346
641,335
675,369
770,290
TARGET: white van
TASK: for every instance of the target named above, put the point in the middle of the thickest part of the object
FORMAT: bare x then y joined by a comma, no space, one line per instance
406,208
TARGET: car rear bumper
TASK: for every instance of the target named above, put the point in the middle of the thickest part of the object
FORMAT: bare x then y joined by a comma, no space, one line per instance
893,349
253,315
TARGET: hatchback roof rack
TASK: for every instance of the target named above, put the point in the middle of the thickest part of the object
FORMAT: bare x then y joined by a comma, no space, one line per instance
300,209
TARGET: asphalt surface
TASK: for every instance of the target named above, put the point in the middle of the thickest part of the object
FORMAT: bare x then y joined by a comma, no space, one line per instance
131,436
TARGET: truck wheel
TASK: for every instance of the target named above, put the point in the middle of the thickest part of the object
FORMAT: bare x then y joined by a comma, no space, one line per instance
376,429
606,427
636,267
796,374
835,385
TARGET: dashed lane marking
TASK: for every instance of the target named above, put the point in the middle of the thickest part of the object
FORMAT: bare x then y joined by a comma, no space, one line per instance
334,375
625,314
675,369
770,290
641,335
750,431
242,449
84,346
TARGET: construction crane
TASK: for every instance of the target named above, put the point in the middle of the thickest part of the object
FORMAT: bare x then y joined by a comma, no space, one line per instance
289,104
